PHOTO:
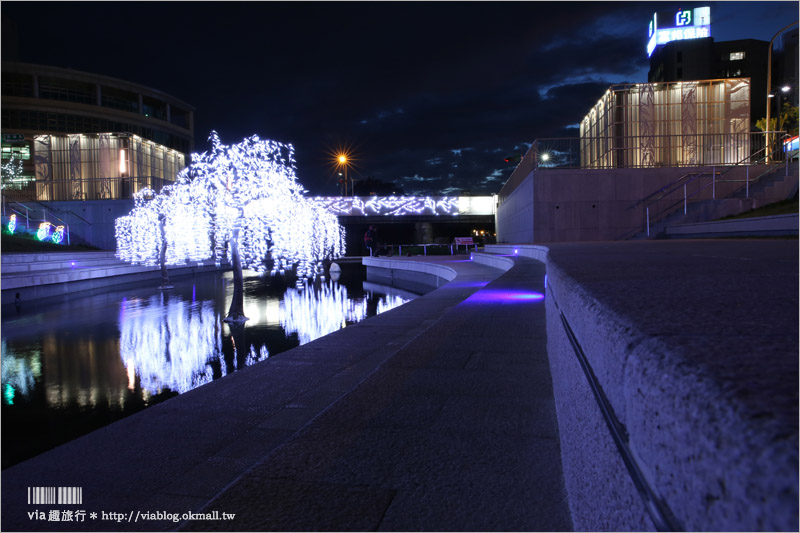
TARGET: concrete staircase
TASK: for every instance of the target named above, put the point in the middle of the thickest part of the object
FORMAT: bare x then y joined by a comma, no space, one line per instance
777,185
780,183
44,275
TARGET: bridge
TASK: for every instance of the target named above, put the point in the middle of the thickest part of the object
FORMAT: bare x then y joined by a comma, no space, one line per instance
420,206
412,219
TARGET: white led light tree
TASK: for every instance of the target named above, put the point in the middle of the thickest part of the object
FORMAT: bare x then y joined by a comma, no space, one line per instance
246,200
163,229
11,171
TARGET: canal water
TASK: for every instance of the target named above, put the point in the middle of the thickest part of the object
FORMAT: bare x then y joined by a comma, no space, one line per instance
80,362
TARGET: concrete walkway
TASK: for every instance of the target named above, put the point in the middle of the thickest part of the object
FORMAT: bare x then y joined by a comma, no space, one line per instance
437,415
460,411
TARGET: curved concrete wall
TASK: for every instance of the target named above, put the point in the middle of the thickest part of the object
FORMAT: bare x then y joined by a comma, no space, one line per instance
702,464
440,271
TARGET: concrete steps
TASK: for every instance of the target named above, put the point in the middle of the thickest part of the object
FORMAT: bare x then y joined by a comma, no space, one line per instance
44,275
778,184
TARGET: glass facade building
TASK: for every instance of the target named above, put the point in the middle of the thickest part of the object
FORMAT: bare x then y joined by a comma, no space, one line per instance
101,166
689,123
69,129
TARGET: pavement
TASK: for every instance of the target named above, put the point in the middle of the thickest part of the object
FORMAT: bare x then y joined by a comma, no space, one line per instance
694,344
437,415
441,415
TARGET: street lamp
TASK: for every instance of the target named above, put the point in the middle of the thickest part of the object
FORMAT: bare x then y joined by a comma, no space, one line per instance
341,159
343,162
769,80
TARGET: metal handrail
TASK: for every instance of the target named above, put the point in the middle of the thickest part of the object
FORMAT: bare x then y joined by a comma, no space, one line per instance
44,206
704,172
45,210
663,213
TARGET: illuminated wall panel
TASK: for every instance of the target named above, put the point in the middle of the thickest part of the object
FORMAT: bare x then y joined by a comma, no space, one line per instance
102,166
668,124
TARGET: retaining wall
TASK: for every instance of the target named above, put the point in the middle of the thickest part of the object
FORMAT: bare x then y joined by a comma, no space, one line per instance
687,455
580,205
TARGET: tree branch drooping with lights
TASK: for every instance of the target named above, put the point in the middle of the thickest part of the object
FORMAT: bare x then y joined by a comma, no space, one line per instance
242,202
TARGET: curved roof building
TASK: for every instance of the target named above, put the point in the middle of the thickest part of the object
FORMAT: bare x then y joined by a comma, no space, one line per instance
41,99
84,136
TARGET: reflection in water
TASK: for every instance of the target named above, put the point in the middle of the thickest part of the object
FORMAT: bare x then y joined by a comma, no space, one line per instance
168,343
74,364
19,374
315,313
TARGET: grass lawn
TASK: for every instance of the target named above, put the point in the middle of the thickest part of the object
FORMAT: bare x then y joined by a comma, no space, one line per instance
785,207
30,244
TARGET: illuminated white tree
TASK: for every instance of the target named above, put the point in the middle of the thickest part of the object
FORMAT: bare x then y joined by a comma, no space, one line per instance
241,201
11,171
163,229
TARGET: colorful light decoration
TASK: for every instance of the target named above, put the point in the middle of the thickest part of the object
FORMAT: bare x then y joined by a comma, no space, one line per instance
12,223
44,231
58,235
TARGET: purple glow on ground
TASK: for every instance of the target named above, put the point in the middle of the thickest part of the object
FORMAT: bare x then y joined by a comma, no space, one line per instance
459,261
501,296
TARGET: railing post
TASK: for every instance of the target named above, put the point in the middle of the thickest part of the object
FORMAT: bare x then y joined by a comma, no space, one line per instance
684,198
747,181
714,183
647,209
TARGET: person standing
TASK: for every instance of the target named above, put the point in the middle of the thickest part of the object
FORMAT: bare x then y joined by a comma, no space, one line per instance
370,239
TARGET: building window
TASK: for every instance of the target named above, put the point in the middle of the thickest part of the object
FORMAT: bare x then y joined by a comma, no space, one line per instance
154,108
20,152
737,56
679,57
119,99
679,73
17,85
67,90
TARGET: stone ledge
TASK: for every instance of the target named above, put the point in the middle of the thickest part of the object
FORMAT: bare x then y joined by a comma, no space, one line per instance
755,226
671,338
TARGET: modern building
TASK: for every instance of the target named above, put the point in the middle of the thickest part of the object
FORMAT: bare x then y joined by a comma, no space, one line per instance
680,148
785,66
86,136
672,124
704,59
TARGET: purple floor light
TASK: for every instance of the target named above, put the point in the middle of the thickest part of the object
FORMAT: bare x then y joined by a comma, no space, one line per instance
505,296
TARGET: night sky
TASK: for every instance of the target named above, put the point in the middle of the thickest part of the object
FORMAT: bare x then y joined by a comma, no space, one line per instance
430,96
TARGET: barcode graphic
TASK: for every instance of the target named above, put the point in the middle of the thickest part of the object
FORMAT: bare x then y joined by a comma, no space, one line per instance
55,495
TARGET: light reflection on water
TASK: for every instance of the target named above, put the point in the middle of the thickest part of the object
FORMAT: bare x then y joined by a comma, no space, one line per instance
79,363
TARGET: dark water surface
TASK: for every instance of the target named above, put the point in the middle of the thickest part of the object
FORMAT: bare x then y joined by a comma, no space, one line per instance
77,363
